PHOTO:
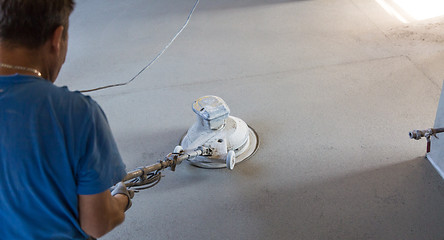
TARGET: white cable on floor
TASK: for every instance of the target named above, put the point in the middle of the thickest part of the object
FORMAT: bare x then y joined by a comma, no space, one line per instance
154,59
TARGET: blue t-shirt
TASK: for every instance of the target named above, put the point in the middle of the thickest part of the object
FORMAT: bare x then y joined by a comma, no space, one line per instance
54,145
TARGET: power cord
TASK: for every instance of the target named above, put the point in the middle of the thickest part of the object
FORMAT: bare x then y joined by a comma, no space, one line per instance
152,61
145,181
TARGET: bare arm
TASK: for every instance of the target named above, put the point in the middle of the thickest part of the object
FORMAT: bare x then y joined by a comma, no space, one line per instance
100,213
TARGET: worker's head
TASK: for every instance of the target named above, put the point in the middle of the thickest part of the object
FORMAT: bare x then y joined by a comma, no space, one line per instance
38,27
30,23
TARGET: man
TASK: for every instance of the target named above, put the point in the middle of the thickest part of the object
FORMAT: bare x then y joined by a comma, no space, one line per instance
58,157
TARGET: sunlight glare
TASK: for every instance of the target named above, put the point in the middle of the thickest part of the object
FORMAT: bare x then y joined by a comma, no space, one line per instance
391,10
413,10
422,9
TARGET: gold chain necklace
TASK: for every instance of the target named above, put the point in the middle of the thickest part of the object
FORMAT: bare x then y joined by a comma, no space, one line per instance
21,68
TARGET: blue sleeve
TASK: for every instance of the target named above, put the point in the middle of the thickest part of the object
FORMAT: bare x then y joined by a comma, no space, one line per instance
101,165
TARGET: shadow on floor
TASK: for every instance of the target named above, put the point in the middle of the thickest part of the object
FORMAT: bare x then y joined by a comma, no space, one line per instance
385,203
400,201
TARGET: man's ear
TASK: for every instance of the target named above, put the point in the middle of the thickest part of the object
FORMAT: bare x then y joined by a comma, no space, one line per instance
56,39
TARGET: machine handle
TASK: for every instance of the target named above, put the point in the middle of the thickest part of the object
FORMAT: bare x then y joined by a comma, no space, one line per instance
171,160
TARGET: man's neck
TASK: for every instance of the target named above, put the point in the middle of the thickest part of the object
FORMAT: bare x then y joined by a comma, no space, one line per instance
20,60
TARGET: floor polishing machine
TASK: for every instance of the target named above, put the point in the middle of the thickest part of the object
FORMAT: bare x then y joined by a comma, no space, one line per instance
215,140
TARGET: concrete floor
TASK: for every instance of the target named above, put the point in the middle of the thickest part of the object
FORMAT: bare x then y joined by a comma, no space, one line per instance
332,87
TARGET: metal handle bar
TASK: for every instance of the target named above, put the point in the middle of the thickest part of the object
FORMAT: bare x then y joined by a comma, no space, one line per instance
170,161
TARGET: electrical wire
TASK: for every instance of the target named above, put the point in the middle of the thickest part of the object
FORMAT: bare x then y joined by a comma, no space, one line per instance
153,60
150,179
145,181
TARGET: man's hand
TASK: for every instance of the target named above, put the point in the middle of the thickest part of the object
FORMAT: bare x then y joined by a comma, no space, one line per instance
120,188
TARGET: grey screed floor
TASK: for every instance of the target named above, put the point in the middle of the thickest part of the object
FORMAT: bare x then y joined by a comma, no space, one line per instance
332,87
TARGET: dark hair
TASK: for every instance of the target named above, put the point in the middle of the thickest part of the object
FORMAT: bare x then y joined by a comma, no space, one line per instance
30,23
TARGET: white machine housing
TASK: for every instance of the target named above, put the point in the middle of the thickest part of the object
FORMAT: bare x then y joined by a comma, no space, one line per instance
230,139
